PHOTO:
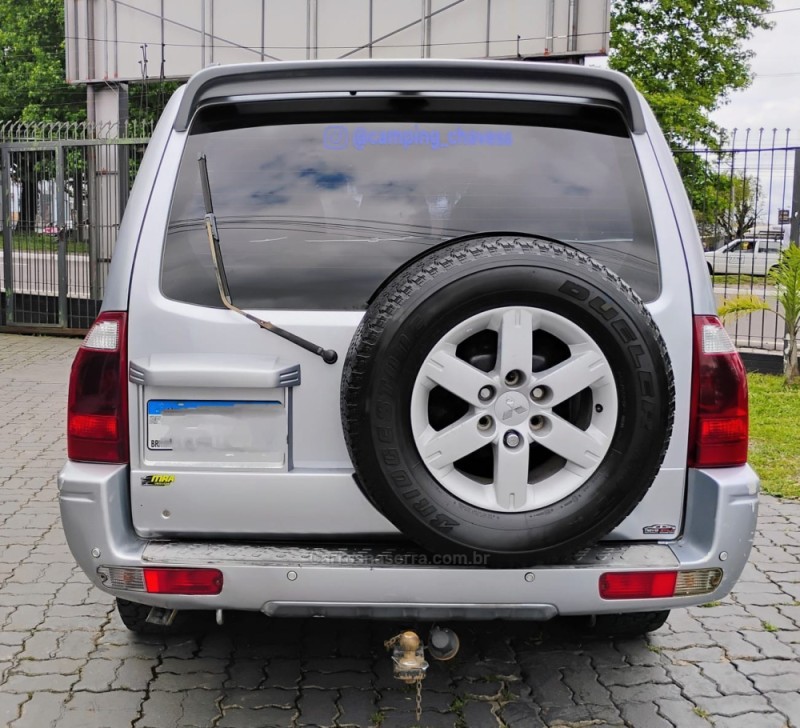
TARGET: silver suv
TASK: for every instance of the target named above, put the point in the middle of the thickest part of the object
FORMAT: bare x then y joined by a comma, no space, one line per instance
430,339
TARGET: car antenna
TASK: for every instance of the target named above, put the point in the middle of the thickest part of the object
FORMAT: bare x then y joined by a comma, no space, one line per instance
329,356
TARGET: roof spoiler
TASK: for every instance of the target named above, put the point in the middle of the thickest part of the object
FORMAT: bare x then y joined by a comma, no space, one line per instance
553,80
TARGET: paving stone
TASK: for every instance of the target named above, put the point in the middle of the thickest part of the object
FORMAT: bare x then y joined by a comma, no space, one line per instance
261,698
727,678
283,673
405,700
585,687
735,645
356,707
199,708
644,714
248,674
101,710
730,705
10,706
317,707
697,654
193,665
755,720
133,674
787,703
263,718
160,710
768,667
478,714
521,715
633,675
788,682
623,695
768,644
43,710
681,713
429,720
171,682
18,683
680,640
692,681
334,680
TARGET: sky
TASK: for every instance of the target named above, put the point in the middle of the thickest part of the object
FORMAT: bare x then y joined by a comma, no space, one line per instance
773,99
771,102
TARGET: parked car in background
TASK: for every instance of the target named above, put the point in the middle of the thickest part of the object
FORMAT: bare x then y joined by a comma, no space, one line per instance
749,256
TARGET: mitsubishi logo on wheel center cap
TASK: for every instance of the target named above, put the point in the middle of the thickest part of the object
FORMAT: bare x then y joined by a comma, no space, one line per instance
511,408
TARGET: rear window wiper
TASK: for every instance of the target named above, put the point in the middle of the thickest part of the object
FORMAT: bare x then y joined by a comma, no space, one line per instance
329,356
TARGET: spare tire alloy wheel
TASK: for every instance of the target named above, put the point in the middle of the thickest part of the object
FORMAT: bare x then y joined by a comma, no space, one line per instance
508,397
511,408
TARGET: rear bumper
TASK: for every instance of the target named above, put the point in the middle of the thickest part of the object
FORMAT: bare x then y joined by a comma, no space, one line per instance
384,581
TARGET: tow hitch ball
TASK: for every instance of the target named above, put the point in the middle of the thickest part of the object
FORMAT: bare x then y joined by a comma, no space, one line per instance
408,656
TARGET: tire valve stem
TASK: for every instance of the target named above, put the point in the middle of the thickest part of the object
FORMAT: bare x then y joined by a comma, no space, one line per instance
408,660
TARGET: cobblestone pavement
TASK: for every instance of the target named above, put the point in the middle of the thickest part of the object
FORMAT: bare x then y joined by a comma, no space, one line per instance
66,660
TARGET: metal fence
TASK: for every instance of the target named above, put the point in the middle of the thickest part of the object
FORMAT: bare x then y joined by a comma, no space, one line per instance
64,188
745,196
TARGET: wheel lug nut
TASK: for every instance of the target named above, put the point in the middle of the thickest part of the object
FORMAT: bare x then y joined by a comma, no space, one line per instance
537,393
512,439
485,393
485,422
514,377
537,422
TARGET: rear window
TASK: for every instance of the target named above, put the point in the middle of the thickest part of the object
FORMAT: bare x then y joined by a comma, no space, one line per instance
315,210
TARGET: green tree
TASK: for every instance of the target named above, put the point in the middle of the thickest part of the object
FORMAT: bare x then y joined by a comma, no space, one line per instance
32,86
736,208
685,56
32,69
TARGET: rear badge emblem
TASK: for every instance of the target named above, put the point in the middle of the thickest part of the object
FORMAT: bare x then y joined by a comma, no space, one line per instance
158,479
661,529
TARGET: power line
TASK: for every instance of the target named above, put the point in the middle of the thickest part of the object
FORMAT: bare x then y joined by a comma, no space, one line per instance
776,12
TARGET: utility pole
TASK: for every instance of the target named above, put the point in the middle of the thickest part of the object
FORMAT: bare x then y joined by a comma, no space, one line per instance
794,220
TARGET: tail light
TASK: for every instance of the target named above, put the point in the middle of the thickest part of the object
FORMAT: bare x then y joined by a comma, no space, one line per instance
182,581
658,584
719,415
162,579
97,409
638,584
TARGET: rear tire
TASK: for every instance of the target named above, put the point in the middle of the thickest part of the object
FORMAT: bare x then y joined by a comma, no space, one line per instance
632,624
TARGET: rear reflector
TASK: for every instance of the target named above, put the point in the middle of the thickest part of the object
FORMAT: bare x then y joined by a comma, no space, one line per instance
719,414
162,580
659,584
638,584
182,581
97,409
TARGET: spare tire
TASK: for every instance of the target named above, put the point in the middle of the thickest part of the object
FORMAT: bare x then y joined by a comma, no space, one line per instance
508,398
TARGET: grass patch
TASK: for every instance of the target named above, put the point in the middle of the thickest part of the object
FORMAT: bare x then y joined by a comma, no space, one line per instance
769,627
740,281
708,605
774,441
702,713
37,243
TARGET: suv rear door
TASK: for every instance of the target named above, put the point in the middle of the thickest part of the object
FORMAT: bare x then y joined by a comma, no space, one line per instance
236,432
